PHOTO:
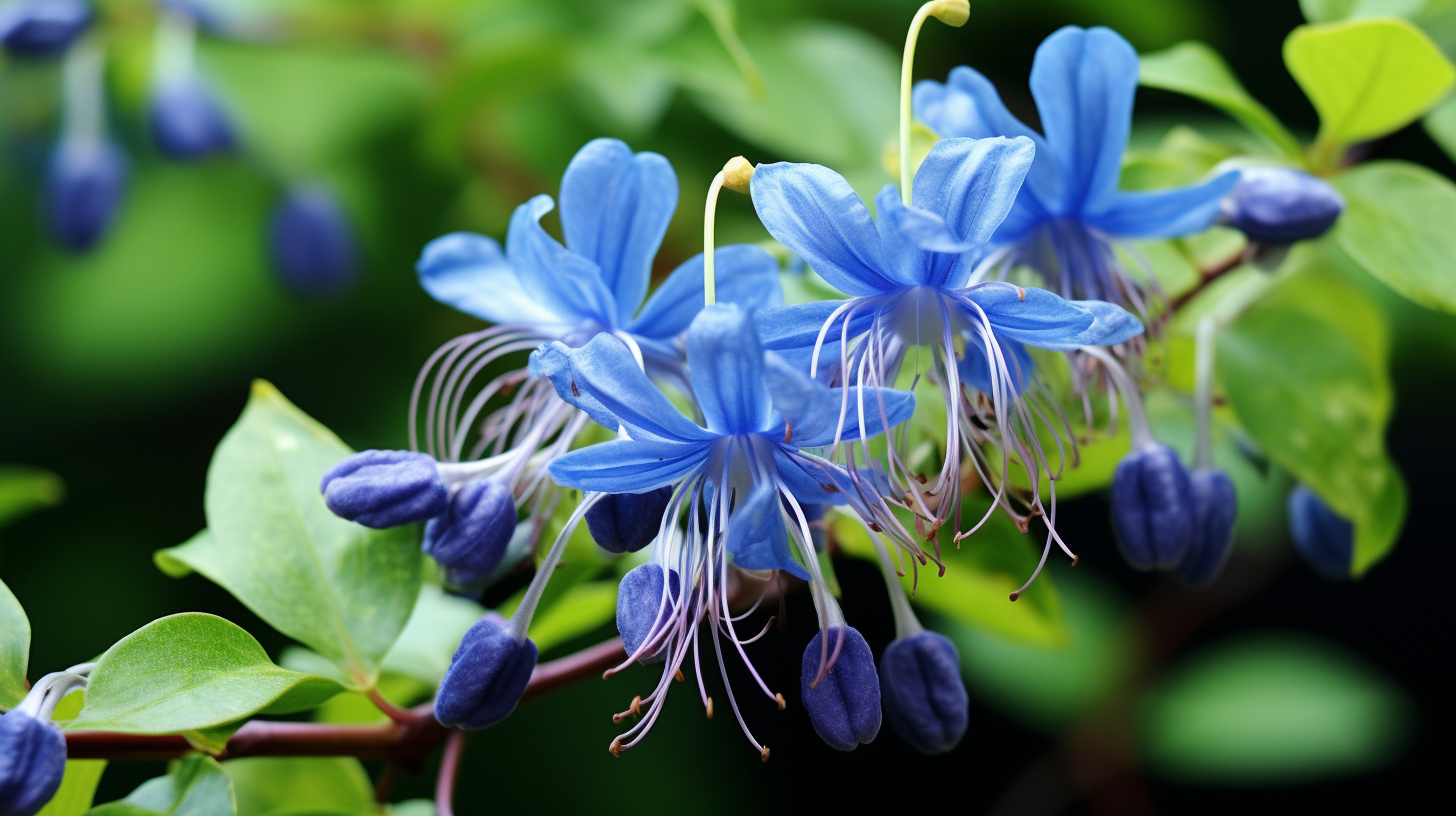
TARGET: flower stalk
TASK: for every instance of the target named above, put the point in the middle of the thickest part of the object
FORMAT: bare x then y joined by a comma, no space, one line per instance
953,13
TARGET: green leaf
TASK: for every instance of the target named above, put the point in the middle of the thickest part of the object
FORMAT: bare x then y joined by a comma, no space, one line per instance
1273,709
194,786
1397,226
14,649
1440,125
77,790
1196,70
413,807
1328,11
342,589
1366,78
26,489
191,672
1306,372
432,635
266,786
581,610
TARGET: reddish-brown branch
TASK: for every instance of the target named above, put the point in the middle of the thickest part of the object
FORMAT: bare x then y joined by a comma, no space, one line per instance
1206,277
407,741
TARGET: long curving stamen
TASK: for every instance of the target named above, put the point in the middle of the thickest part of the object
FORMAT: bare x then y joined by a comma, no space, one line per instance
953,13
1137,420
735,175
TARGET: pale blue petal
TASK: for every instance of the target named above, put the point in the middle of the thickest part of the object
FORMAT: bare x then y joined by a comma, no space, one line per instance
919,248
725,362
615,207
556,277
1032,316
1111,324
745,274
972,183
812,408
784,328
813,211
975,367
1163,213
756,534
807,480
469,272
629,465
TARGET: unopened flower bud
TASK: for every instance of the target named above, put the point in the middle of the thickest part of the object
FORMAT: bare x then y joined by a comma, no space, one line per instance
953,13
1152,508
311,243
1280,205
925,699
40,28
845,704
84,186
1215,506
1324,539
486,678
32,762
470,537
187,121
385,488
641,608
627,522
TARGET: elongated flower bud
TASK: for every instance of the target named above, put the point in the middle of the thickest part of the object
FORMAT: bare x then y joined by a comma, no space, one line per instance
925,699
187,120
486,678
470,537
1280,205
84,186
385,488
845,705
1215,507
312,245
640,607
627,522
32,762
41,28
1324,539
1152,508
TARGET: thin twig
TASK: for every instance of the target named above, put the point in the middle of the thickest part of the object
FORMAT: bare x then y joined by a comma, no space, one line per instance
449,768
1206,277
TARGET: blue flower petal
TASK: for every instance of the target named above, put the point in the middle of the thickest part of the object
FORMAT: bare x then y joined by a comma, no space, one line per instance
559,279
813,211
756,534
807,480
1032,316
1084,81
1111,324
745,274
919,247
972,183
615,207
812,408
725,362
1163,213
469,272
797,327
975,367
629,465
602,378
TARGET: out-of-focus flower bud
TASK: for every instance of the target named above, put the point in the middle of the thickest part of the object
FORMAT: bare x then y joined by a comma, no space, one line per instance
486,678
187,120
312,245
32,762
641,607
385,488
1280,205
845,705
470,537
925,699
41,28
1152,508
84,186
1322,537
627,522
1215,506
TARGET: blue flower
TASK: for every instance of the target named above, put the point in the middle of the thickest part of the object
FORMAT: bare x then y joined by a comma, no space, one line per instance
1071,211
311,243
41,28
85,182
187,120
741,478
914,277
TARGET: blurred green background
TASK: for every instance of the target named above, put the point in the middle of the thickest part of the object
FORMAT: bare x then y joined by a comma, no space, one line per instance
121,369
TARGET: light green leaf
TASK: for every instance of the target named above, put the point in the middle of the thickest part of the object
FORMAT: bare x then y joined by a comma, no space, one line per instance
1273,709
1196,70
14,649
268,786
432,635
26,489
1440,125
1397,225
413,807
77,790
1329,11
342,589
1366,78
581,610
194,786
191,672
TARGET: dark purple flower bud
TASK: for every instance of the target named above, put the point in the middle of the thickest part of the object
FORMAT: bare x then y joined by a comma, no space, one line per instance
1280,205
187,121
385,488
627,522
470,537
1322,537
1215,506
845,705
925,699
312,245
40,28
32,762
487,676
84,187
640,603
1152,508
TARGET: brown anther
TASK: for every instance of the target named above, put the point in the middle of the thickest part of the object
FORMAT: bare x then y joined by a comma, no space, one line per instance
873,526
1075,559
921,477
616,718
678,676
780,697
764,754
574,391
788,432
636,706
829,488
710,708
1015,595
1021,293
616,748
